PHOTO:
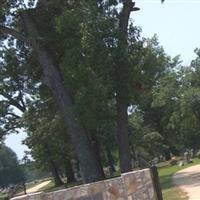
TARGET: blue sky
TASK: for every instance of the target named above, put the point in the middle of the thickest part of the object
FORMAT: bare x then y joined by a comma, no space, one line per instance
176,22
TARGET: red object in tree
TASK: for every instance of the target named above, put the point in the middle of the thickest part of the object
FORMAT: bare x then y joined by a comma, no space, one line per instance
137,85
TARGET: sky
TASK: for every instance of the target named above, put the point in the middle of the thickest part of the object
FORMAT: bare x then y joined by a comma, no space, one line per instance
176,22
14,141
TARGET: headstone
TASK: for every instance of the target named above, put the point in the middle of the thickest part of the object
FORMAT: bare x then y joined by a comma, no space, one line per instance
181,164
192,153
187,157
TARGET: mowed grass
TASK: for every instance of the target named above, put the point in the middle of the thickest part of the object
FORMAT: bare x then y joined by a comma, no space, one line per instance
3,196
51,187
171,192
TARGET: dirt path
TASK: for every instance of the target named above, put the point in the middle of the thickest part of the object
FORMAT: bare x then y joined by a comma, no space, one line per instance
37,187
189,181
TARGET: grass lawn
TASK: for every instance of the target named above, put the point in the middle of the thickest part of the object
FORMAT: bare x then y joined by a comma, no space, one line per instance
50,187
170,192
3,196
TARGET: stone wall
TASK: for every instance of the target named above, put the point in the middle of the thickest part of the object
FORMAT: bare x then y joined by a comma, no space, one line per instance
135,185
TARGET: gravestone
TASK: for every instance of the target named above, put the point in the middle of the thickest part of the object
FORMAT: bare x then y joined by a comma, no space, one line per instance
187,157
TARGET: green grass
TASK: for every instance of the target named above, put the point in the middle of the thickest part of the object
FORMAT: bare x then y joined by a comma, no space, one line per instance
3,196
51,187
48,188
170,192
29,185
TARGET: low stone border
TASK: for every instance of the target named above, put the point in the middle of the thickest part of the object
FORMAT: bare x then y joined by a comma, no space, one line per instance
136,185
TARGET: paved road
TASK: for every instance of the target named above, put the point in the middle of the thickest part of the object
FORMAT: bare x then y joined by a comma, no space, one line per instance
189,181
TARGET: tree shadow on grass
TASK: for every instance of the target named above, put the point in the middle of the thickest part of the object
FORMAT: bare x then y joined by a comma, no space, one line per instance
182,178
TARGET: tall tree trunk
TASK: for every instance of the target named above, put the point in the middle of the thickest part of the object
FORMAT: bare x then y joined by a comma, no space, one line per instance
88,162
122,70
167,155
96,147
69,172
53,79
133,155
57,180
110,160
122,135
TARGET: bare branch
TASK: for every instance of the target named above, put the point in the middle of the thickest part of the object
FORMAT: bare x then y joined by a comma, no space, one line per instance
9,31
12,102
14,115
11,129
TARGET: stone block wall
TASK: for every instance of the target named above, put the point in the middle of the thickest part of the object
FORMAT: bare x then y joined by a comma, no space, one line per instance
136,185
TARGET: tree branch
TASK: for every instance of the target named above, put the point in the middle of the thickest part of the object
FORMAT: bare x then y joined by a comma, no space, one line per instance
9,31
128,7
20,97
11,128
14,115
124,16
12,102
